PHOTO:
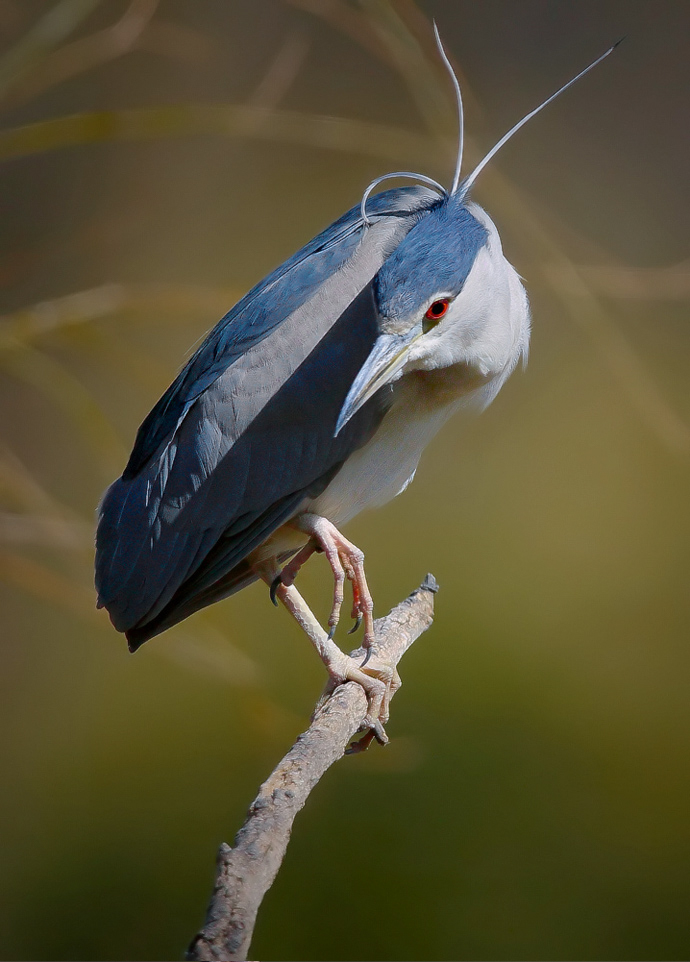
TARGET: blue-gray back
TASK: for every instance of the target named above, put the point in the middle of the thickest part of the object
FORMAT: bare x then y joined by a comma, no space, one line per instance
261,311
246,431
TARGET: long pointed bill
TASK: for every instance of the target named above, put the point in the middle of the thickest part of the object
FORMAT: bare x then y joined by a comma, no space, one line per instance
387,357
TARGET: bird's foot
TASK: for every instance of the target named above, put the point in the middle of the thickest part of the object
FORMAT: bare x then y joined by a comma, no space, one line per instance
378,679
380,682
346,561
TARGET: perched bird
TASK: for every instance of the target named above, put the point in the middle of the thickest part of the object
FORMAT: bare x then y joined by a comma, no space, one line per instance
312,399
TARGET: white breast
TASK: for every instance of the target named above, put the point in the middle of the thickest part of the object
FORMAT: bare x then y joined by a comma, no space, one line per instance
465,360
386,464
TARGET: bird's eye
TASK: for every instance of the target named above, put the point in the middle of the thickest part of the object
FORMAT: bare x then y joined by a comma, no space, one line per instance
435,313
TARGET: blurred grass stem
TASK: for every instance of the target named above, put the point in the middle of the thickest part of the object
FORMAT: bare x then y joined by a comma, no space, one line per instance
87,52
52,29
241,121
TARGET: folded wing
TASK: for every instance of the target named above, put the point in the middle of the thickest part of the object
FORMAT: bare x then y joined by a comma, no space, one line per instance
245,433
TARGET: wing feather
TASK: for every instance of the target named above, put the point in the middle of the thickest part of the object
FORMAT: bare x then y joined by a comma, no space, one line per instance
245,433
264,309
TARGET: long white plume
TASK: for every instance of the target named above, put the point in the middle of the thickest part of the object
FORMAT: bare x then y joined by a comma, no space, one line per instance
469,181
461,113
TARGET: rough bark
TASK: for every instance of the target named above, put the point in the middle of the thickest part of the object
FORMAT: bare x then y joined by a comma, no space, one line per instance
246,871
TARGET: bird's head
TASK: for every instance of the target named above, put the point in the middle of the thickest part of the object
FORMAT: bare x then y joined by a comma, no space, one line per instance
446,296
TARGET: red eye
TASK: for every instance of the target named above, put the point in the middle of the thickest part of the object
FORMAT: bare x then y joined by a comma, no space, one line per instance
437,309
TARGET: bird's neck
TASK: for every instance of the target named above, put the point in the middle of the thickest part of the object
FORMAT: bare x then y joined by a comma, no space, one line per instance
444,386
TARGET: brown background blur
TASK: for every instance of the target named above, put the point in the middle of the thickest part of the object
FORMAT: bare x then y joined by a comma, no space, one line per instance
533,803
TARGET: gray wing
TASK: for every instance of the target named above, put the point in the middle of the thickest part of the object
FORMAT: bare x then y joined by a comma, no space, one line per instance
264,309
245,434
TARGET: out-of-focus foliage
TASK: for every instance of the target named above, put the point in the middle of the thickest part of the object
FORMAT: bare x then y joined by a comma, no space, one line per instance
160,157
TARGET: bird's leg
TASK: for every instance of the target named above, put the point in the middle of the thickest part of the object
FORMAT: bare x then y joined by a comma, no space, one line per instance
378,684
290,571
346,561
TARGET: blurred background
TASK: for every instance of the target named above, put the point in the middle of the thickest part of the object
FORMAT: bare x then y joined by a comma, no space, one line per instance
158,158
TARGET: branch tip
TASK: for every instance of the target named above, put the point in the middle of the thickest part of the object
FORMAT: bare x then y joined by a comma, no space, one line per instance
246,870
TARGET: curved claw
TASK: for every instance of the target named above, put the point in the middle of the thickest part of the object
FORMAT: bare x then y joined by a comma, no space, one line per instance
377,729
275,584
355,627
361,744
331,632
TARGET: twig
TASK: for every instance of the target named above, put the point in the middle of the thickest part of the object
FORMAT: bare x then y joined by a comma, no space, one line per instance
246,872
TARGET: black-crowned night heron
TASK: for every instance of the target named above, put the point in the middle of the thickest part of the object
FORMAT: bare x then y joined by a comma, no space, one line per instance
311,400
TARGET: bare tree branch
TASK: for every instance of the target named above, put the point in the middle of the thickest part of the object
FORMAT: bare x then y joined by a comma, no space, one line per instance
246,872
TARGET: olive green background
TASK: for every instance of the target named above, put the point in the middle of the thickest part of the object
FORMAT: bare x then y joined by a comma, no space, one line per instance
533,803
